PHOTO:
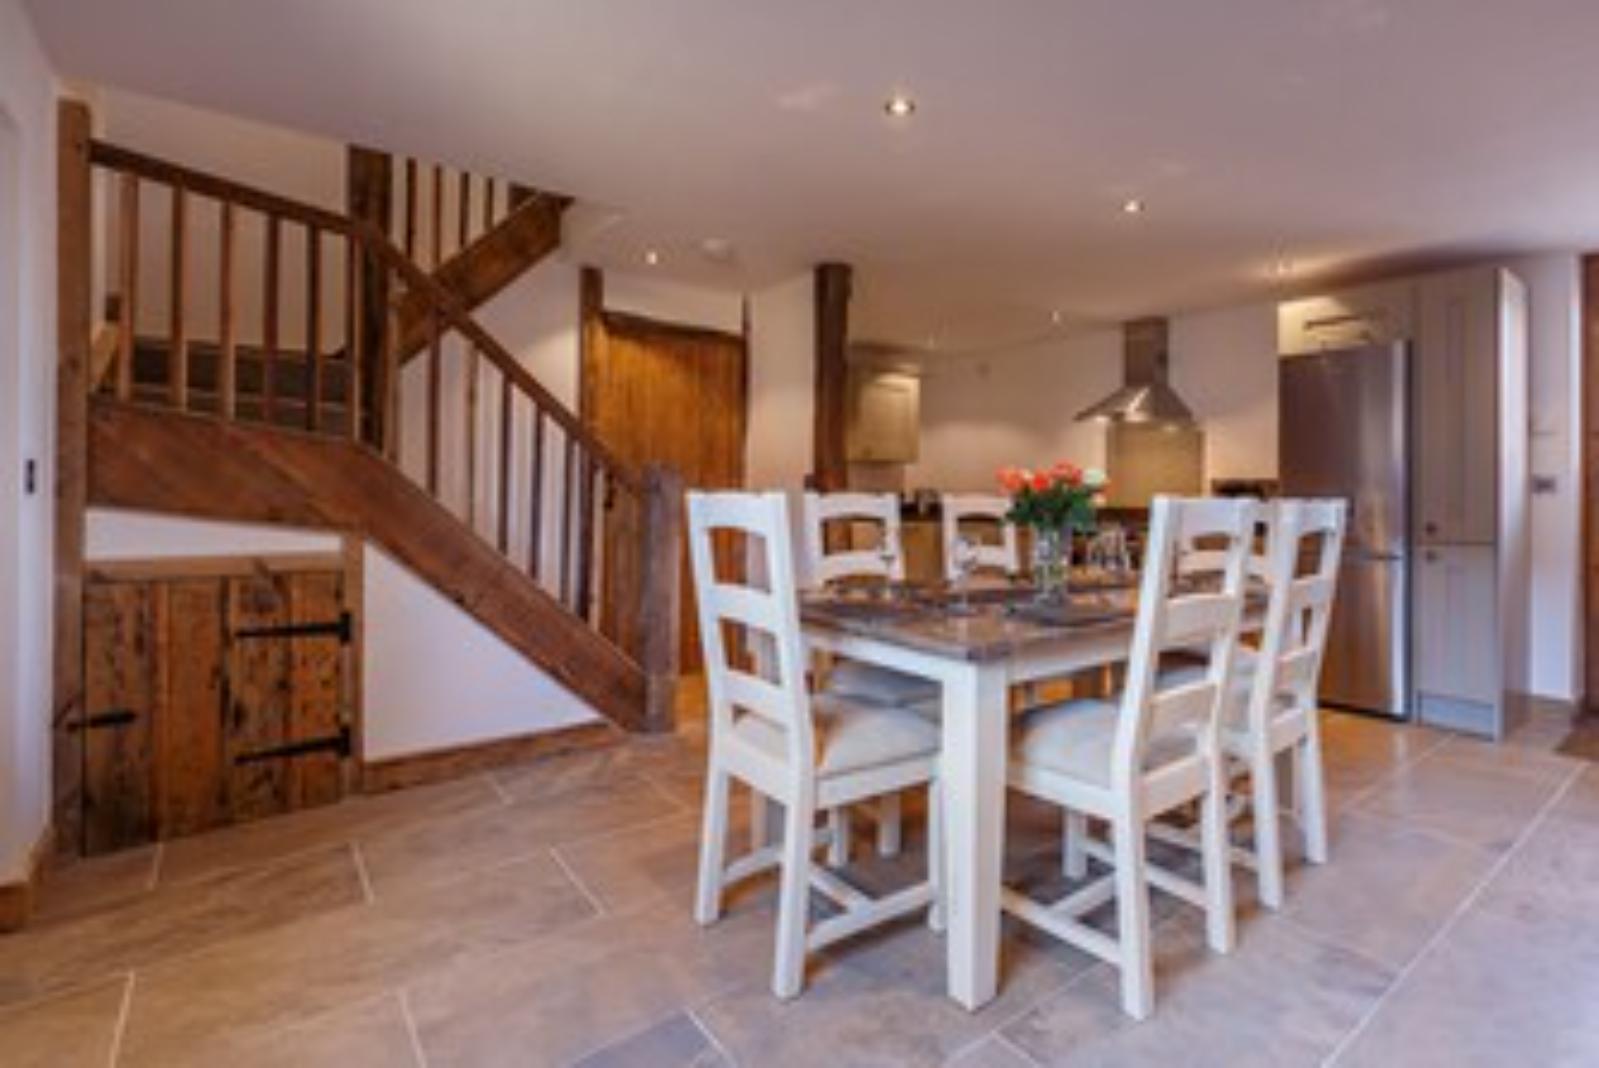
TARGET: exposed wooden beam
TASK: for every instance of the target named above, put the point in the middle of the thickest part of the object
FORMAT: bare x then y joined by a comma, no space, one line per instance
496,259
590,338
369,198
74,263
830,469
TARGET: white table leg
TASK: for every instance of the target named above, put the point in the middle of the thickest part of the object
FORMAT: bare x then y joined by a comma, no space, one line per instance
973,776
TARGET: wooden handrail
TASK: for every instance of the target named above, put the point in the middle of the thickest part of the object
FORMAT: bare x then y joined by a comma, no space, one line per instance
373,240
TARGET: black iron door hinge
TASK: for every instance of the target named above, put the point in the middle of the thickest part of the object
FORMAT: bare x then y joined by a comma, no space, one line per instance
341,628
111,717
333,743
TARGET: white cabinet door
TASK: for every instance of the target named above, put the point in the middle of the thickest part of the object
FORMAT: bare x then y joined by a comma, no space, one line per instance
1457,424
1455,623
884,418
1353,318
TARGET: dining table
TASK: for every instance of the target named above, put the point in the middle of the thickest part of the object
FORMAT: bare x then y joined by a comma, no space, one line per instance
977,645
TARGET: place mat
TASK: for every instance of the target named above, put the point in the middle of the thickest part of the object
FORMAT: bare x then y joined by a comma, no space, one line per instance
1076,612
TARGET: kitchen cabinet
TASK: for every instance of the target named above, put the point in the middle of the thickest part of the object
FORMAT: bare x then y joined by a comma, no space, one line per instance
1456,359
884,422
1456,628
1352,318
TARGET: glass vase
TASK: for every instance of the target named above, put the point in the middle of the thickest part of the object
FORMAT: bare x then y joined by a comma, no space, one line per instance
1052,549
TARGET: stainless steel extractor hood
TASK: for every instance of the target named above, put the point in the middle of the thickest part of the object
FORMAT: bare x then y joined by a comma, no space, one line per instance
1145,396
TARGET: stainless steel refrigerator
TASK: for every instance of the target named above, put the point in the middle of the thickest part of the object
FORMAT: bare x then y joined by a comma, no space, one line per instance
1344,432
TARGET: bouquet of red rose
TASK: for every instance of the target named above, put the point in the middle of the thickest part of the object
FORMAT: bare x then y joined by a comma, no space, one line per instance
1064,498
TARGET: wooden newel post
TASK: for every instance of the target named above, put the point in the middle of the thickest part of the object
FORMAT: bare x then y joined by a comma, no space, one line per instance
660,610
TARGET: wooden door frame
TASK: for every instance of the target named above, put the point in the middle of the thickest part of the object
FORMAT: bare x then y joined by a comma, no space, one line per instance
1589,429
595,323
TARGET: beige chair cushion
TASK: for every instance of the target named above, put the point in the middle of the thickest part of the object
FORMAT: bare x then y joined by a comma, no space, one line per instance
1077,739
880,685
851,735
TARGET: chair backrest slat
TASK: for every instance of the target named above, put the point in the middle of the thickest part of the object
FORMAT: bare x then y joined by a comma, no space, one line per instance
880,509
992,556
1204,623
770,615
1299,607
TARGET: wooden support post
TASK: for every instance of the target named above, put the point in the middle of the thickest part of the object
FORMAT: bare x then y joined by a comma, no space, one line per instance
833,282
590,339
178,346
369,196
128,279
660,614
228,367
74,264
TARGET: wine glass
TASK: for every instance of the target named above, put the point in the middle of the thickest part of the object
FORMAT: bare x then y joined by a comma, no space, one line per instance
888,555
963,561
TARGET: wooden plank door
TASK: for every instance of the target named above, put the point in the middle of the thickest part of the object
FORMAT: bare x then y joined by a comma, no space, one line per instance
662,393
212,699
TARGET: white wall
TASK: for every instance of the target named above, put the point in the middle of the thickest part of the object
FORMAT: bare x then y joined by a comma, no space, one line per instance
432,676
1554,285
782,399
27,428
1224,364
1017,407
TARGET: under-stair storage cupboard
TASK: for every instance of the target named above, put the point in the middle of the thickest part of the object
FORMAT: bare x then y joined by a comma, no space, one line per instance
1468,447
217,690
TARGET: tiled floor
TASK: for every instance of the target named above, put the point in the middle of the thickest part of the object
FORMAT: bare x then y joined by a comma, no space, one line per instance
540,916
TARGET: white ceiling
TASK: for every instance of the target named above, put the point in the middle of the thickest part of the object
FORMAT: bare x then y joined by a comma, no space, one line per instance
1343,135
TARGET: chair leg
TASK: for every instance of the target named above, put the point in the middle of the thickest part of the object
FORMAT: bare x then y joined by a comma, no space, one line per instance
788,966
889,833
1132,919
1074,858
838,825
1219,927
1313,792
1268,829
713,840
935,854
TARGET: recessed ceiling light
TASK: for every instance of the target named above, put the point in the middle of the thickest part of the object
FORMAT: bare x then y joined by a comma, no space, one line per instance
900,106
651,257
1132,206
1055,317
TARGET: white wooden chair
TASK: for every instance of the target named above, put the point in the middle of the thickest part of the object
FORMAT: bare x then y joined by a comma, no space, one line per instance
807,752
852,679
1272,706
1154,750
999,556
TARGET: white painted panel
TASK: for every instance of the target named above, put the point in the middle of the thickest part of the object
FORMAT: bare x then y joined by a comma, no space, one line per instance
433,677
115,534
674,302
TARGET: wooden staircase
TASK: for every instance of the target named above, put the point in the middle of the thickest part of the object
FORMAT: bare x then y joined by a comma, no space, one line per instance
461,466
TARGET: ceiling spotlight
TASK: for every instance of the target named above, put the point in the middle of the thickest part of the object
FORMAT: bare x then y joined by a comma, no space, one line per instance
651,257
1132,206
1056,318
899,106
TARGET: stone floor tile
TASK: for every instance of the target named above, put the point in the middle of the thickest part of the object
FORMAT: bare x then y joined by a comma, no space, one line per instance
1476,800
1386,889
1499,990
444,848
372,1032
173,921
585,987
675,1042
1280,998
96,883
66,1030
992,1052
269,839
279,978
